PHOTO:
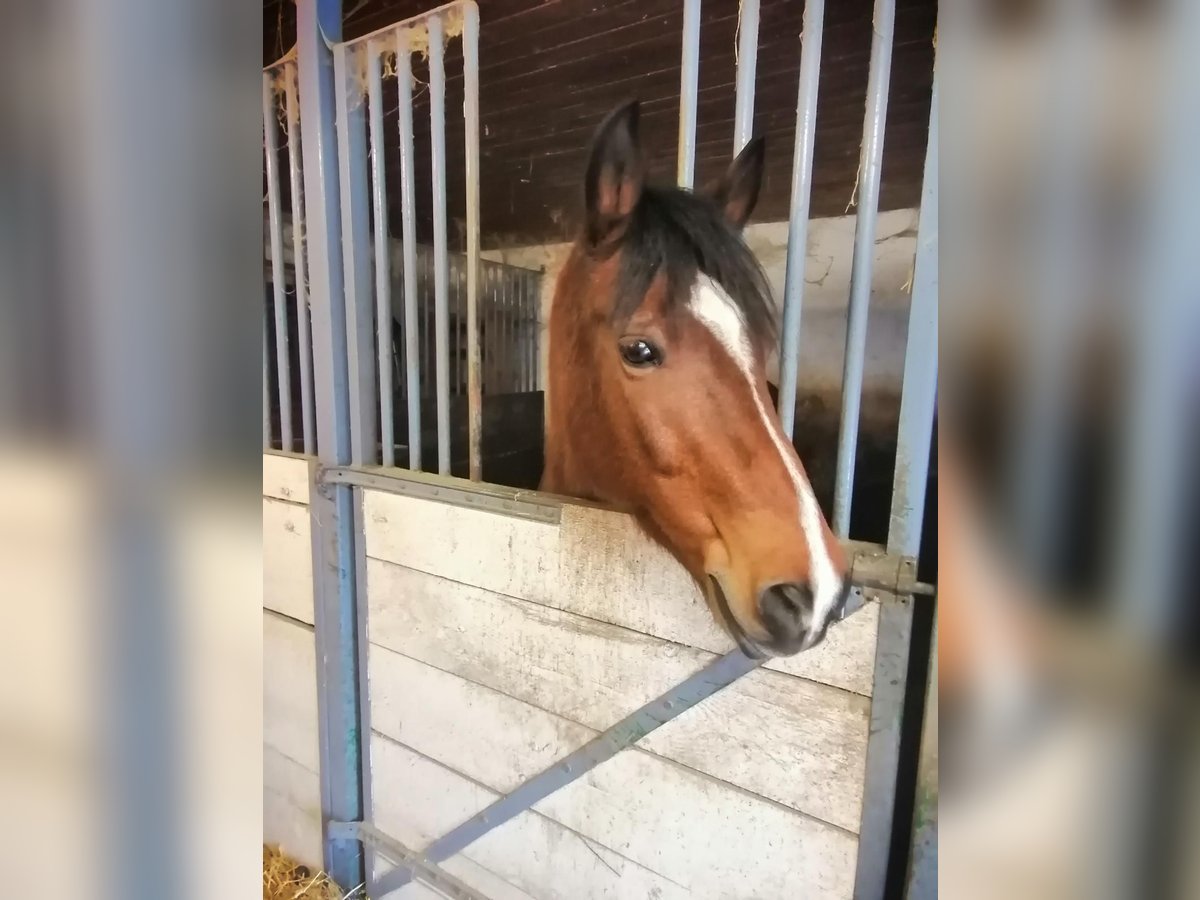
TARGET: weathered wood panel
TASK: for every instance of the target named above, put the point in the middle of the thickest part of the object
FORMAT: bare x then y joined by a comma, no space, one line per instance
417,800
596,563
287,559
666,823
290,690
285,477
291,785
787,739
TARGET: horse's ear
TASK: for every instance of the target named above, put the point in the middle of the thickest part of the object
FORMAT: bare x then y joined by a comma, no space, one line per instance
615,173
737,191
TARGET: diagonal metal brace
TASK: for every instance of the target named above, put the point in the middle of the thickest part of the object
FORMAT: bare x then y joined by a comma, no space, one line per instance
391,848
718,674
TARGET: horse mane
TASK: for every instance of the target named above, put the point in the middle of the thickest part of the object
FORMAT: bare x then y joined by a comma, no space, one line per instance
684,234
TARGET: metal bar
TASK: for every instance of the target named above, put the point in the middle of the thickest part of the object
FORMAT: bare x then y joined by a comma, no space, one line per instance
747,64
275,214
389,847
356,255
869,168
883,746
470,49
383,272
408,222
494,498
334,586
266,351
303,335
426,309
797,250
689,80
918,395
522,320
718,674
922,870
507,345
535,352
441,262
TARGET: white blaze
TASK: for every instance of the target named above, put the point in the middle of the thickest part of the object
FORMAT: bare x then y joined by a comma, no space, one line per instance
716,311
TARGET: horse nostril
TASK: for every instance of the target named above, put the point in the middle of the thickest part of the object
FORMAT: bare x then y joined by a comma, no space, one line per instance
787,611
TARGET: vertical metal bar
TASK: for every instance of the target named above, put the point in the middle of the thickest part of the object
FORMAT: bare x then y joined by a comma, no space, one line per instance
918,396
266,384
470,45
689,80
922,869
426,324
303,336
356,255
523,318
1059,269
869,167
883,745
506,330
383,269
408,203
747,64
275,214
797,250
492,294
485,336
536,349
441,263
334,582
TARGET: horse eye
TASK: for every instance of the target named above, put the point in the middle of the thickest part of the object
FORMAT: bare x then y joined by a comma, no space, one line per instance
640,353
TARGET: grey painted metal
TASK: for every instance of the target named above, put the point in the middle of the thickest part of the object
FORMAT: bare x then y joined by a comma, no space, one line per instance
470,49
1159,407
364,685
303,331
528,334
283,373
408,222
441,262
382,244
918,395
266,409
797,250
1059,268
883,745
389,847
922,869
334,585
356,253
689,81
869,168
718,674
427,486
747,66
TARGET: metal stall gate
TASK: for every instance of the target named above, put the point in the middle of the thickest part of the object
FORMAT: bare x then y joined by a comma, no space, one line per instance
359,406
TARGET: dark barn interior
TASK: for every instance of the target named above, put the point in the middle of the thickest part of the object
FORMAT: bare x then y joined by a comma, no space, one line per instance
551,69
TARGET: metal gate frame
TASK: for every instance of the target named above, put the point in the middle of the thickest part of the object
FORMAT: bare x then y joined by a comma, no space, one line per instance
339,272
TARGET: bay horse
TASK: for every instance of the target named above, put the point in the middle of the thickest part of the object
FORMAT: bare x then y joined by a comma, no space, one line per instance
658,399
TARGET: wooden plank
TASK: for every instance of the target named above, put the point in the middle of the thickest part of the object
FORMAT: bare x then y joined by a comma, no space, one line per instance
290,690
285,477
292,808
287,559
418,800
796,742
596,563
634,801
